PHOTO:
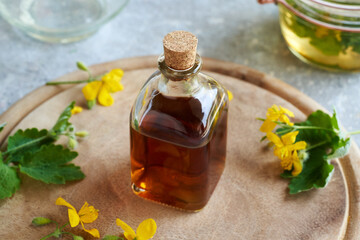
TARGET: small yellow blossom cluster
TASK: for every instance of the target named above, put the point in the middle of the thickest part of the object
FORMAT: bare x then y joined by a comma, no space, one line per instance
101,89
88,214
285,147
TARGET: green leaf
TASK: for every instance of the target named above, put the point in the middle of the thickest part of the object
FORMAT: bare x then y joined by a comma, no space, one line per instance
351,40
335,121
40,221
316,172
286,174
2,126
63,123
314,136
328,45
9,180
340,149
28,141
112,237
50,165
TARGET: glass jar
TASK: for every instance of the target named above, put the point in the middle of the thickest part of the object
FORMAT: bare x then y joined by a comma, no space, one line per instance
323,33
178,129
60,21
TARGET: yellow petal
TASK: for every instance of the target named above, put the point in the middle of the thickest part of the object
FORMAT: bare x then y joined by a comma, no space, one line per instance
129,236
73,217
289,138
76,110
230,95
91,90
113,86
299,145
286,111
146,229
113,75
297,166
62,202
117,72
282,152
267,126
105,98
273,113
94,232
274,139
283,118
129,232
88,214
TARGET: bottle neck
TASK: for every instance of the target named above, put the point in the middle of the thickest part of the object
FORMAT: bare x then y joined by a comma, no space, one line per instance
179,82
179,75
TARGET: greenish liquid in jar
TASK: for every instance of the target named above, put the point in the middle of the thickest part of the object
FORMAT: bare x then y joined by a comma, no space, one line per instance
320,46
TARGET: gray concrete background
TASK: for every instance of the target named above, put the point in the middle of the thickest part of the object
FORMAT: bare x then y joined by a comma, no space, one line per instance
240,31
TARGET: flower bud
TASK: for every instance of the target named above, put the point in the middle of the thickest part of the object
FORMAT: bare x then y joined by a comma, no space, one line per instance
82,134
82,66
71,128
303,155
72,143
77,237
39,221
91,103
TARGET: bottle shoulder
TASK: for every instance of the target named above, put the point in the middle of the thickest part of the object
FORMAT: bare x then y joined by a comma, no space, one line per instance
183,113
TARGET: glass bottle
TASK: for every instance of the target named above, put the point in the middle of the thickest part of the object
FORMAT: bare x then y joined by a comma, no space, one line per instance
178,129
323,33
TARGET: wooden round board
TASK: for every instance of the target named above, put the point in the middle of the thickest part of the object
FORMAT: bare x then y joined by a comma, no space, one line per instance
251,201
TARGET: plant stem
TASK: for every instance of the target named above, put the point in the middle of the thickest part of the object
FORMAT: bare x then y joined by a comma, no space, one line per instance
69,233
354,133
284,131
62,227
316,145
312,127
302,127
71,82
48,236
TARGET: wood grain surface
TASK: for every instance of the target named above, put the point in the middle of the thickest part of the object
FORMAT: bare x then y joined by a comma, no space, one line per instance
251,201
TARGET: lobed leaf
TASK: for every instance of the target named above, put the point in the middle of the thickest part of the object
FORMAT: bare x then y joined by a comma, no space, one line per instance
28,141
9,180
314,136
50,165
316,172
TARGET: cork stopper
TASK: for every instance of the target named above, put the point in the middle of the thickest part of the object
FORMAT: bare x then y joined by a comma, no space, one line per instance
180,49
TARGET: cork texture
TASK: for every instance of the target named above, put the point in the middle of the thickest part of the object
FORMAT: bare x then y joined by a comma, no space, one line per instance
180,49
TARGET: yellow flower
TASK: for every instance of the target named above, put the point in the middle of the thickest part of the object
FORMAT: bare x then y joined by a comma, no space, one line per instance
145,230
276,113
101,90
230,95
87,214
76,110
286,149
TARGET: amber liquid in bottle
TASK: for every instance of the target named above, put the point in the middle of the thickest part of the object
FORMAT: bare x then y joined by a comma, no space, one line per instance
182,165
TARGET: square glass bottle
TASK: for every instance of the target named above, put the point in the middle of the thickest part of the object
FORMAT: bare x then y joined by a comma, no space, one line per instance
178,129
